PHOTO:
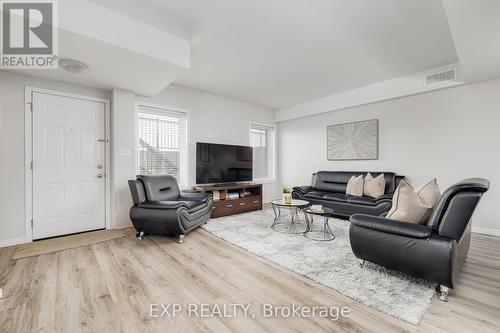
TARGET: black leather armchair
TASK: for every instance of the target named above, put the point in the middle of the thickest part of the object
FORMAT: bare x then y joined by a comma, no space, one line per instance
160,207
435,251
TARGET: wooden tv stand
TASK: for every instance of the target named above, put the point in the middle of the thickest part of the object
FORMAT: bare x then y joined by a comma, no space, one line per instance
249,198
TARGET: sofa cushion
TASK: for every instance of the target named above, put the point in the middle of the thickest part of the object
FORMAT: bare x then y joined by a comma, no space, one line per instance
316,194
160,188
347,209
340,197
331,186
367,201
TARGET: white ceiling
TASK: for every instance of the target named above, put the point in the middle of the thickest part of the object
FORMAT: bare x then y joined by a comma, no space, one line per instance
110,66
475,26
121,52
277,53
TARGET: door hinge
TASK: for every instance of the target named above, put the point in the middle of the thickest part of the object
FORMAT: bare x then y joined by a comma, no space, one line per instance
31,223
31,105
31,165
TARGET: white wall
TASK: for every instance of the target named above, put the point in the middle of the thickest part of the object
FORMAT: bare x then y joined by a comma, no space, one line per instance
449,134
12,194
123,155
215,119
212,118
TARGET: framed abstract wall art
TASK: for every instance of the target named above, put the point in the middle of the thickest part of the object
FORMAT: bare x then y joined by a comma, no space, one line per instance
353,141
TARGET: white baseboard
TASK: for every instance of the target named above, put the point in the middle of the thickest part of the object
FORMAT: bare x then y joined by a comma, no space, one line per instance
12,242
486,231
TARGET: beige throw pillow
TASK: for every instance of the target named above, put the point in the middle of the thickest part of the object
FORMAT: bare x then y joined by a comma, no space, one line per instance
374,187
355,186
414,205
429,193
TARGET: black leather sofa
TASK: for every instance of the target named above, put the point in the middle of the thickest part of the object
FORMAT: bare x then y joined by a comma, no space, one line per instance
328,188
160,208
435,251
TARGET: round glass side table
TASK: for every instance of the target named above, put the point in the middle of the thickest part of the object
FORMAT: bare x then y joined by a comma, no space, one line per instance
318,230
293,225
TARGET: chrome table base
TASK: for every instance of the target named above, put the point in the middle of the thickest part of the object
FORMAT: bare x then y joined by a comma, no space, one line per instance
293,226
320,234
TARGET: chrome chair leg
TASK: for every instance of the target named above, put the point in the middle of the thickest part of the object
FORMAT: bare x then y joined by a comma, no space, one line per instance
140,235
362,263
180,239
444,291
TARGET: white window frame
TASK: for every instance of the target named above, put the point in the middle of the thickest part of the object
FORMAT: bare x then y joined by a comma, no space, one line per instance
166,109
271,178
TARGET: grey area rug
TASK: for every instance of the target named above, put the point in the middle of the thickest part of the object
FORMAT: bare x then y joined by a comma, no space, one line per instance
330,263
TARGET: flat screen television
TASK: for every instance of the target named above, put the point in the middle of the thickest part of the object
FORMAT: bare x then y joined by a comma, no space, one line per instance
220,164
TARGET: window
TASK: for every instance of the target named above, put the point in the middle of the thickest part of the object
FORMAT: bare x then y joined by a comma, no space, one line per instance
262,141
163,147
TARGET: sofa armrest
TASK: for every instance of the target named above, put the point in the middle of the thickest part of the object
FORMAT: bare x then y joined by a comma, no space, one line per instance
195,196
303,189
391,226
162,205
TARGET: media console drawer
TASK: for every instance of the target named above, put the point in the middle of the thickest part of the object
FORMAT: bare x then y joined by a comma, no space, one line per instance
236,206
242,205
250,203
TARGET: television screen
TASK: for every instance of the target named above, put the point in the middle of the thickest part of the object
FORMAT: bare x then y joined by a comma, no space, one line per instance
216,163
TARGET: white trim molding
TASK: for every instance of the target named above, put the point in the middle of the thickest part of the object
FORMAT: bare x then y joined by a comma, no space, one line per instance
12,242
486,231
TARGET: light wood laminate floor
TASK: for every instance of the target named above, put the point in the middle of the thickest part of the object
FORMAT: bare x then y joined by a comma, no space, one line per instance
108,287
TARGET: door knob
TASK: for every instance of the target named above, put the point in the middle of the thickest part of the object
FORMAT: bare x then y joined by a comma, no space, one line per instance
99,175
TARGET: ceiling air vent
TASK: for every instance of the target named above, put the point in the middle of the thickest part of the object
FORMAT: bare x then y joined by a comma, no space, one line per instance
440,77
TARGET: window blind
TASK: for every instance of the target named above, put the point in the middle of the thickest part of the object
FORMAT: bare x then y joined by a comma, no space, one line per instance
262,141
163,143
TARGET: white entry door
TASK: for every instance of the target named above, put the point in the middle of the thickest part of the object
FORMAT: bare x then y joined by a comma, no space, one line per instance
68,165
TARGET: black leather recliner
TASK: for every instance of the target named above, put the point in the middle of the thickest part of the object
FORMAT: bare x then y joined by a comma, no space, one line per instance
328,189
435,251
160,207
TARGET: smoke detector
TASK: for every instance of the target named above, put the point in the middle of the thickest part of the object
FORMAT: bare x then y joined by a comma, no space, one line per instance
73,66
